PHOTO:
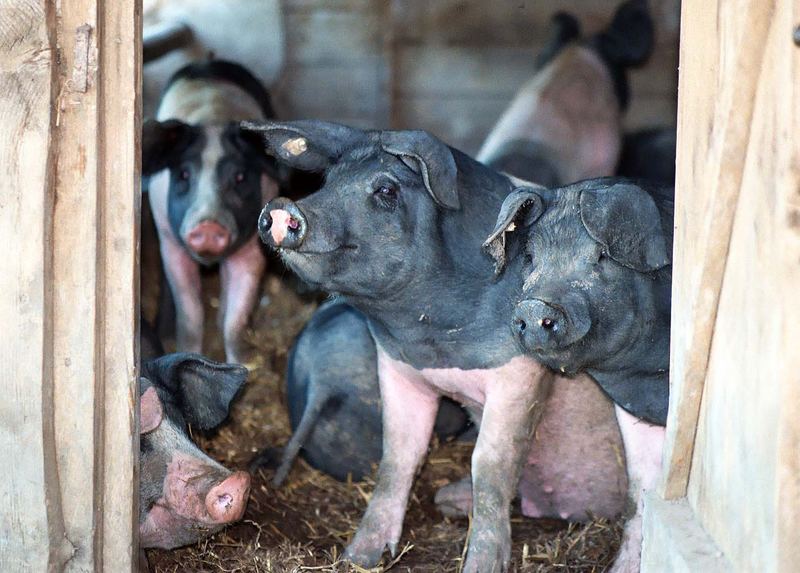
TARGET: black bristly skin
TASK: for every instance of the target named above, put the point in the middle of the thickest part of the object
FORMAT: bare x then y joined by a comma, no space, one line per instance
610,305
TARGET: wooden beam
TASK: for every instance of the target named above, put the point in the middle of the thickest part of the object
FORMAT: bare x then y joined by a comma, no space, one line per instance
70,78
713,135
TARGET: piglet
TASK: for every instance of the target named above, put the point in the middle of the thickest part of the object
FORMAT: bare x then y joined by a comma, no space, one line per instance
595,298
334,399
564,124
207,178
396,230
184,494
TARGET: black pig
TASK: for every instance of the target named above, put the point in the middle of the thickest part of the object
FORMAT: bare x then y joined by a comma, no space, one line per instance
595,297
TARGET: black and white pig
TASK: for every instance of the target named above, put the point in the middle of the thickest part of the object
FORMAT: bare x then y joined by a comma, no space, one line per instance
184,494
564,124
207,178
596,298
334,399
397,230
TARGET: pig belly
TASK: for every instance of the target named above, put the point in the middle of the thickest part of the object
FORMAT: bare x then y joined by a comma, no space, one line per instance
576,465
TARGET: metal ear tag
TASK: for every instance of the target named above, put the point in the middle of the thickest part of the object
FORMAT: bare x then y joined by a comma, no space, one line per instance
296,146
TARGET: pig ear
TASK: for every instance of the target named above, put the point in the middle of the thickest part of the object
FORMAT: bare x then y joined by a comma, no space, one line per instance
151,412
429,157
625,220
564,28
202,388
163,142
306,145
523,200
628,40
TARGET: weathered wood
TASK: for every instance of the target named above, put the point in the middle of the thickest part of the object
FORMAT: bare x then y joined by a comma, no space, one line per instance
675,541
714,129
69,206
31,524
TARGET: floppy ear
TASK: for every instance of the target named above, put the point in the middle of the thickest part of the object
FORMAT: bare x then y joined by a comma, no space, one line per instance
429,157
308,145
251,145
523,200
625,220
564,28
151,412
202,388
163,142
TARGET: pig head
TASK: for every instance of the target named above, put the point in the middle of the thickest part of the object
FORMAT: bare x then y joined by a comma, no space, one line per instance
390,231
564,124
596,284
184,494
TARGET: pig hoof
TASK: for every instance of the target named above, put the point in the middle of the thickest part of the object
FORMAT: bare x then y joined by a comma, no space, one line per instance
489,549
455,499
368,546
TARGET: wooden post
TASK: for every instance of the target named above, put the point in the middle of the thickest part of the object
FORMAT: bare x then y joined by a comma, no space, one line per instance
730,499
69,206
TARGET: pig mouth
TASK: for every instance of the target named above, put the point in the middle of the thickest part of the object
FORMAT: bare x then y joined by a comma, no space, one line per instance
340,248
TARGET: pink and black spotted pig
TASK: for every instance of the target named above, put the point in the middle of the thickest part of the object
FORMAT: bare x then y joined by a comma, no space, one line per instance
208,178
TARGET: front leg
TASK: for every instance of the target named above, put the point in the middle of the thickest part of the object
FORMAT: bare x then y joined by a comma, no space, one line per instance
515,398
241,275
409,411
644,444
183,276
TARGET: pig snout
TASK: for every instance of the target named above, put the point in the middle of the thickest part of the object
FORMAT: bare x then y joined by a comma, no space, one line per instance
226,501
544,326
208,238
282,224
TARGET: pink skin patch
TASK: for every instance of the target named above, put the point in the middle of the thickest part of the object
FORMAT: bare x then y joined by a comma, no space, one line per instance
151,412
282,221
194,503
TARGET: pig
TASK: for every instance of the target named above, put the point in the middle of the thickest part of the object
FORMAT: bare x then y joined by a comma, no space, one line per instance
334,400
396,231
596,299
563,125
207,178
184,495
649,154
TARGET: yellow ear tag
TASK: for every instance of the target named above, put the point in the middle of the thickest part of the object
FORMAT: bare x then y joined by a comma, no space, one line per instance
296,146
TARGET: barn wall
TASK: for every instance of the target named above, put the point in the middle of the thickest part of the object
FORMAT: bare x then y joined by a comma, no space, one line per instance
733,455
449,66
69,207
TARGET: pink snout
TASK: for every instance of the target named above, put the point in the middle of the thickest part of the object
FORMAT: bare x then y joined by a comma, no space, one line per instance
282,221
226,501
209,238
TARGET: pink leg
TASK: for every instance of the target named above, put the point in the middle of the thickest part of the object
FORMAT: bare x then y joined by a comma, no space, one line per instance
241,275
183,275
409,411
643,448
515,398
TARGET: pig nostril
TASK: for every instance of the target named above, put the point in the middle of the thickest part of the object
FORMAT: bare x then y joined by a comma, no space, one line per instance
547,323
293,223
520,324
225,501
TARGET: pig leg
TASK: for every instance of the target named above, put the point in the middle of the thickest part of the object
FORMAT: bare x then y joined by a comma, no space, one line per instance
183,275
409,412
241,281
643,447
514,404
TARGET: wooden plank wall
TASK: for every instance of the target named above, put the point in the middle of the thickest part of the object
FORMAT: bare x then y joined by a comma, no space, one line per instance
69,208
734,429
449,66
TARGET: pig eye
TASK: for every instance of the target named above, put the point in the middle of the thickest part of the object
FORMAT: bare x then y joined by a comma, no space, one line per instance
386,194
184,175
239,177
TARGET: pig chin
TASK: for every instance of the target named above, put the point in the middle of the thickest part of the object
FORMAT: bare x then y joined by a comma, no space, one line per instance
164,528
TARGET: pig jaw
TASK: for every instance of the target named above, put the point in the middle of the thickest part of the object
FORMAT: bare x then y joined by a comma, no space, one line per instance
199,498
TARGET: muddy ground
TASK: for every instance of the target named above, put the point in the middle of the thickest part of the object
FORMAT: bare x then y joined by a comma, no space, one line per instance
304,525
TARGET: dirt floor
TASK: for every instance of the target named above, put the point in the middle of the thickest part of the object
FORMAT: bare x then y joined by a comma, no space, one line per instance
304,525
